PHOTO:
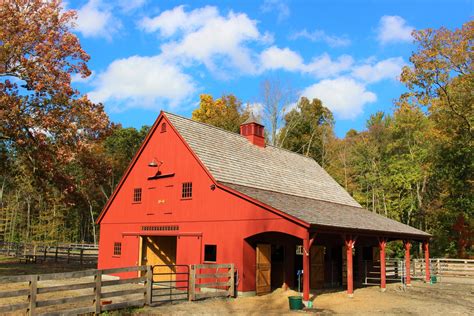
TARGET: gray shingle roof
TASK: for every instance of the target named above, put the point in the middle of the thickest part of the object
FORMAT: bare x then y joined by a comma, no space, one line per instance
284,180
231,158
328,214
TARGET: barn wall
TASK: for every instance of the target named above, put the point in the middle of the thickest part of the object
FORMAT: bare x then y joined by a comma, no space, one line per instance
211,217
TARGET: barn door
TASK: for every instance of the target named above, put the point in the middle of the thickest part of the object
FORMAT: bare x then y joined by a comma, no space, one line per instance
160,250
264,269
317,267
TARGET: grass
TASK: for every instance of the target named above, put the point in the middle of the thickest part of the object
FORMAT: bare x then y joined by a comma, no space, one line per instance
12,266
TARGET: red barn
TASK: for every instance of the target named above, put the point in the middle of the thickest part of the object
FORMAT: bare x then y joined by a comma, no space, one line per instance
195,193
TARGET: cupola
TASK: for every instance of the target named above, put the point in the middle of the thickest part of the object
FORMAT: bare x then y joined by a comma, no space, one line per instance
253,131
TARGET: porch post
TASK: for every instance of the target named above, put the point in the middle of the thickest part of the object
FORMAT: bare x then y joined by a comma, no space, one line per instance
382,244
306,272
427,260
350,280
407,245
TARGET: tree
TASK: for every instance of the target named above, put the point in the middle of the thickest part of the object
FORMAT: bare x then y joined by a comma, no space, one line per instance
46,125
441,81
226,112
276,98
307,129
43,117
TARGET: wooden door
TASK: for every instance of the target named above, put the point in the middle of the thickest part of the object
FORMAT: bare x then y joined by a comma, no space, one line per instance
317,267
264,269
160,250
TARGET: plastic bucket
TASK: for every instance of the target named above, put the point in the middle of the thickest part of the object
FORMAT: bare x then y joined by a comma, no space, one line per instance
433,279
296,302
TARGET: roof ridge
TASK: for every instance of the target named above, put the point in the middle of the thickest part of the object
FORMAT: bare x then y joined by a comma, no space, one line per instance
237,134
300,196
205,124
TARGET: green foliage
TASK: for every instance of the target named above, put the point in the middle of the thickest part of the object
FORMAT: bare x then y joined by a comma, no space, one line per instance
226,112
307,129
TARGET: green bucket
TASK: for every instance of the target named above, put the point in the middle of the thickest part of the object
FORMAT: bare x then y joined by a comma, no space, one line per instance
296,302
434,279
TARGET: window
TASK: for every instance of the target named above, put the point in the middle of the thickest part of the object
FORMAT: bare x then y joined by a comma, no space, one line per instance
210,253
163,127
117,248
137,195
187,191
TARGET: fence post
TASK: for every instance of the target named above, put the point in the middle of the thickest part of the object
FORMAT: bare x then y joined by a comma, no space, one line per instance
45,250
97,290
232,281
68,253
82,253
56,254
148,285
32,296
192,282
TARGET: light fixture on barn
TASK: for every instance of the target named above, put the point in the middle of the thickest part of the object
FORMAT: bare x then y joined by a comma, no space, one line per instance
155,163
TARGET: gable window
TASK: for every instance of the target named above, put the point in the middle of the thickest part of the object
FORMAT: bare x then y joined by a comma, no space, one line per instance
137,195
210,253
163,127
187,190
117,248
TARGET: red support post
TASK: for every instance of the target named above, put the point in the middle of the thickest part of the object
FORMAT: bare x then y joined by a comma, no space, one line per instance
382,244
427,261
306,272
349,241
407,245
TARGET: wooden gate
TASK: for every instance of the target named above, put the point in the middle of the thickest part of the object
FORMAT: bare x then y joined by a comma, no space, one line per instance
264,268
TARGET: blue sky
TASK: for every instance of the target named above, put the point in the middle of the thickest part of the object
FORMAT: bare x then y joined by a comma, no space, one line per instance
152,55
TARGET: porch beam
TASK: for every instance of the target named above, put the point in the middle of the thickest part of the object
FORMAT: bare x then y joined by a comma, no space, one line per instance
382,244
407,245
350,243
427,261
306,272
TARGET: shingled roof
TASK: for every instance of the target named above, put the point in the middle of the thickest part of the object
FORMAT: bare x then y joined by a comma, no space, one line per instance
231,158
327,214
284,180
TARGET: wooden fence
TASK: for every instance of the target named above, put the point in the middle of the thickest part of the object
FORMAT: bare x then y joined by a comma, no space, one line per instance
69,253
211,280
461,268
39,296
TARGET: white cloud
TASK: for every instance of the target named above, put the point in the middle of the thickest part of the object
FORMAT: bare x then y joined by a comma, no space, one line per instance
257,109
219,42
77,78
278,58
343,96
129,5
171,21
142,82
96,20
321,36
323,66
385,69
392,29
278,6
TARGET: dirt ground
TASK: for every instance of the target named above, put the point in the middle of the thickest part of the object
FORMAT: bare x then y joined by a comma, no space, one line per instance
419,299
12,266
448,297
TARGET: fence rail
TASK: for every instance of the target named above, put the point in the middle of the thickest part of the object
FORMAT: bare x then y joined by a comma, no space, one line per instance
460,268
69,253
211,280
96,291
32,301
